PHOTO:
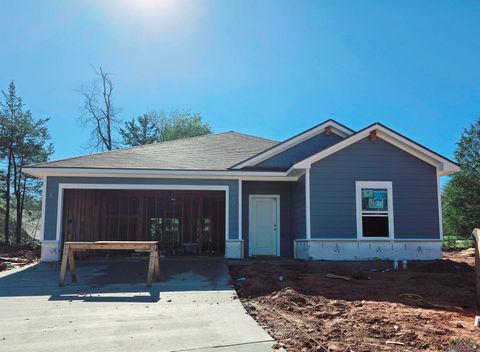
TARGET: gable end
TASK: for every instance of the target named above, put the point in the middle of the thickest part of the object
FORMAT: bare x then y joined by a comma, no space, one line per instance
443,165
328,128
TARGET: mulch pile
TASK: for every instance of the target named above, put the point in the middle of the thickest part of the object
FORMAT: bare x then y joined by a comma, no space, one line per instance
428,307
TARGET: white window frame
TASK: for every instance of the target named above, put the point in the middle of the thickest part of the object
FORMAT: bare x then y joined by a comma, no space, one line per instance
359,185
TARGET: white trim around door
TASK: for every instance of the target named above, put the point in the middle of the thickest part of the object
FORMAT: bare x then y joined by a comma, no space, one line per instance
251,198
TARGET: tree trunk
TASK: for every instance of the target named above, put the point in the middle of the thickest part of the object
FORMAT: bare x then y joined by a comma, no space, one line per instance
18,227
22,203
17,175
476,237
7,199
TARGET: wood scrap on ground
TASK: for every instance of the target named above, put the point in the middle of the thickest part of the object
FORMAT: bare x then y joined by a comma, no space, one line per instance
340,277
11,258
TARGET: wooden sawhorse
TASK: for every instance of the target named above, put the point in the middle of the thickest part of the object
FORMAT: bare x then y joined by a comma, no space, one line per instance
148,246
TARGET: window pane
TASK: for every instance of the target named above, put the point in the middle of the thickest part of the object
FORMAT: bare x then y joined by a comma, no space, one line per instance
375,226
374,199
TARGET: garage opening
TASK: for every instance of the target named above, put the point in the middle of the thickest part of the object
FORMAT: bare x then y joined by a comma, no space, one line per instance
184,222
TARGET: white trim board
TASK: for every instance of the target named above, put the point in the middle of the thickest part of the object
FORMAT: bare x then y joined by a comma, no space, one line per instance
149,173
63,186
357,240
440,212
240,198
273,196
42,216
308,222
444,166
336,128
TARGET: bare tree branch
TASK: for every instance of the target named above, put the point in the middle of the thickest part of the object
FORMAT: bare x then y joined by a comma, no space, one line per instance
99,111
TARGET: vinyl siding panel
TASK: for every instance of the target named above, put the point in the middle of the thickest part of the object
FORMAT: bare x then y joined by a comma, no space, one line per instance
300,151
298,208
333,204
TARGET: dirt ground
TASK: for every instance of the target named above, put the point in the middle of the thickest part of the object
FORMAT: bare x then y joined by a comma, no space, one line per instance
431,306
11,257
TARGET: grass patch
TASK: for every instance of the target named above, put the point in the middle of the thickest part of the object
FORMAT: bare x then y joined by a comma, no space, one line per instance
457,242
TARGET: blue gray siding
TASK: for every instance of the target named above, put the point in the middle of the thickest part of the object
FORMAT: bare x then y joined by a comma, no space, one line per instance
298,208
300,151
284,190
415,202
52,196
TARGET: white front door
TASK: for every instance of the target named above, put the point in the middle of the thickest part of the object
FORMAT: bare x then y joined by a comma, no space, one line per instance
264,225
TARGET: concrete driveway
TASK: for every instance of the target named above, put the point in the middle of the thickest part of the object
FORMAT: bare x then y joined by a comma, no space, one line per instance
193,308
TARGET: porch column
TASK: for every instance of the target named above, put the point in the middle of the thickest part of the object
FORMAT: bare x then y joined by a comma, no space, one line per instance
234,245
50,242
239,209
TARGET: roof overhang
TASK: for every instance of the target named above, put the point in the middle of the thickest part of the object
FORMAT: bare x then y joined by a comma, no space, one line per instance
336,128
152,173
444,166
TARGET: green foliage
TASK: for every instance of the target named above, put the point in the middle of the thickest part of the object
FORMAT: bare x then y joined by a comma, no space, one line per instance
155,127
468,149
461,204
23,141
140,131
455,243
185,124
461,195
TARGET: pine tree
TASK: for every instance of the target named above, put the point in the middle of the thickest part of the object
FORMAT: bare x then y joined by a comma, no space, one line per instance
461,195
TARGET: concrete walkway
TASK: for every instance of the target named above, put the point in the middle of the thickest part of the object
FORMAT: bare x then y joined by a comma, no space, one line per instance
193,308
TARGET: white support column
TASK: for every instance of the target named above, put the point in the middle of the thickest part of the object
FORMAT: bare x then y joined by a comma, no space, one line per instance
239,209
440,213
227,214
307,204
42,216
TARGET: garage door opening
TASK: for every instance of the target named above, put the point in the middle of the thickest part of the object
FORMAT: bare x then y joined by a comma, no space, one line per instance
184,222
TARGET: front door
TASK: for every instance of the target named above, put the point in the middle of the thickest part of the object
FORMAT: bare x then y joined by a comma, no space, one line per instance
264,225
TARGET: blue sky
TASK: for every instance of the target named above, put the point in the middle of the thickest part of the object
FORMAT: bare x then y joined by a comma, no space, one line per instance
268,68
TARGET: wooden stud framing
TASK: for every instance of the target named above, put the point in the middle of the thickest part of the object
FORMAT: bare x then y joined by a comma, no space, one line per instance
99,215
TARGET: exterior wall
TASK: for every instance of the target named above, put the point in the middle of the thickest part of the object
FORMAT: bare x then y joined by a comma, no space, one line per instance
298,209
333,205
300,151
332,182
280,188
51,199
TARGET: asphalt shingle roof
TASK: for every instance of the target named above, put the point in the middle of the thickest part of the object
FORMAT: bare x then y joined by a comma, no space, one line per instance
209,152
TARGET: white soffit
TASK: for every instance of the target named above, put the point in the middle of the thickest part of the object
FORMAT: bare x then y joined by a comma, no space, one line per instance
188,174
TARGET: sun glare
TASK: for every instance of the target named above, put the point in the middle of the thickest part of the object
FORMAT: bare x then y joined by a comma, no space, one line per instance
151,7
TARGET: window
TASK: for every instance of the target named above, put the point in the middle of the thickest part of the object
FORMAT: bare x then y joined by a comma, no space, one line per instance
374,210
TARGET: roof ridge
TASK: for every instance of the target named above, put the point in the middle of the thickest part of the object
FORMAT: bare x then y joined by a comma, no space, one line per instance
253,136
